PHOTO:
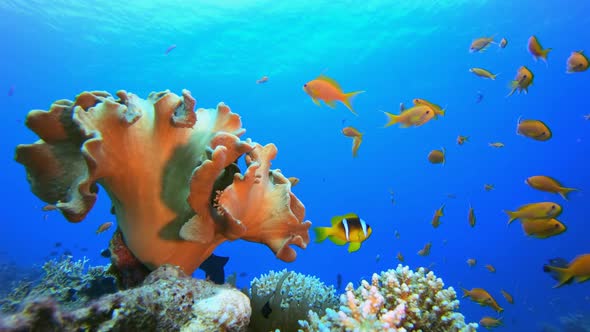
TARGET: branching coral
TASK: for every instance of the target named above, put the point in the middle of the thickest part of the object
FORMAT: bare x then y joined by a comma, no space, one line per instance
396,300
170,172
280,299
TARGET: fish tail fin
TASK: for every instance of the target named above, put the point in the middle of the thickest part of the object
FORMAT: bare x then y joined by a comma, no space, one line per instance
545,53
444,152
392,119
465,292
563,274
495,76
512,215
322,233
347,99
565,191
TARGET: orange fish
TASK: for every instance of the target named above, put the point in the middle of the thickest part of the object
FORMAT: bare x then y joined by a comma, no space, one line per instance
49,207
437,156
262,80
471,216
414,116
548,184
542,228
523,79
480,44
294,181
507,296
534,129
328,90
104,227
434,107
537,50
436,218
496,144
577,62
357,138
489,322
426,250
462,139
491,268
471,262
579,269
482,297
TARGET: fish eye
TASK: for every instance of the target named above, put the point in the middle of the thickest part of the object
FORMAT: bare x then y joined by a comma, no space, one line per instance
552,207
427,112
524,76
305,85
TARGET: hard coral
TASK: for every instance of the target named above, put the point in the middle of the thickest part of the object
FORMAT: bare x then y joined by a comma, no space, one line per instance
280,299
168,300
170,172
396,300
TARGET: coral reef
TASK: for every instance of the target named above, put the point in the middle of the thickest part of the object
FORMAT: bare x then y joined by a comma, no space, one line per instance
168,300
71,283
396,300
280,299
170,171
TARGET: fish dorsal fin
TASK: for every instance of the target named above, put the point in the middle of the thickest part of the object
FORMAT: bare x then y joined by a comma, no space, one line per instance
350,216
329,80
335,220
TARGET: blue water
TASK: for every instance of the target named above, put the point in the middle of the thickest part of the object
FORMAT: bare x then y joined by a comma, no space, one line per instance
396,51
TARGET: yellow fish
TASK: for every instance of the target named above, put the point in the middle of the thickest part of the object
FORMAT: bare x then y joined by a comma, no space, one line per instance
507,296
471,262
357,138
436,218
496,145
488,187
414,116
489,322
328,90
579,269
537,50
437,156
436,108
348,228
541,210
523,79
482,297
399,256
483,73
534,129
543,228
490,268
548,184
480,44
577,62
462,139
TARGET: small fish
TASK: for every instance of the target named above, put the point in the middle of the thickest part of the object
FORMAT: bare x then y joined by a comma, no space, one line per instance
266,310
396,234
437,156
507,296
488,187
503,43
543,228
104,227
462,139
587,117
169,49
436,218
496,144
534,129
49,207
536,49
57,244
541,210
399,256
557,262
294,181
523,79
578,269
577,62
338,281
481,296
328,90
11,91
490,268
262,80
348,228
471,262
548,184
425,251
412,117
451,196
480,44
434,107
471,216
391,197
357,138
483,73
490,322
377,258
479,97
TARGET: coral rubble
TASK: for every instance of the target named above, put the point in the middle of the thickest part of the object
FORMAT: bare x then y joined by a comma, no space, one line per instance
171,173
395,300
168,300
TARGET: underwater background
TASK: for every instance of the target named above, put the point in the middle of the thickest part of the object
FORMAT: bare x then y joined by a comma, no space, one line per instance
395,51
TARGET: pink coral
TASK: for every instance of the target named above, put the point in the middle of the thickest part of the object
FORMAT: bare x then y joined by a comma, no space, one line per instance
170,172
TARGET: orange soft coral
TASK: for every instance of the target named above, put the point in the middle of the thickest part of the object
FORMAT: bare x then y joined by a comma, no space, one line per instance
170,172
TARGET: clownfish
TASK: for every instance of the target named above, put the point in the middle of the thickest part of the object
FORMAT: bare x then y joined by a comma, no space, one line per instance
348,228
